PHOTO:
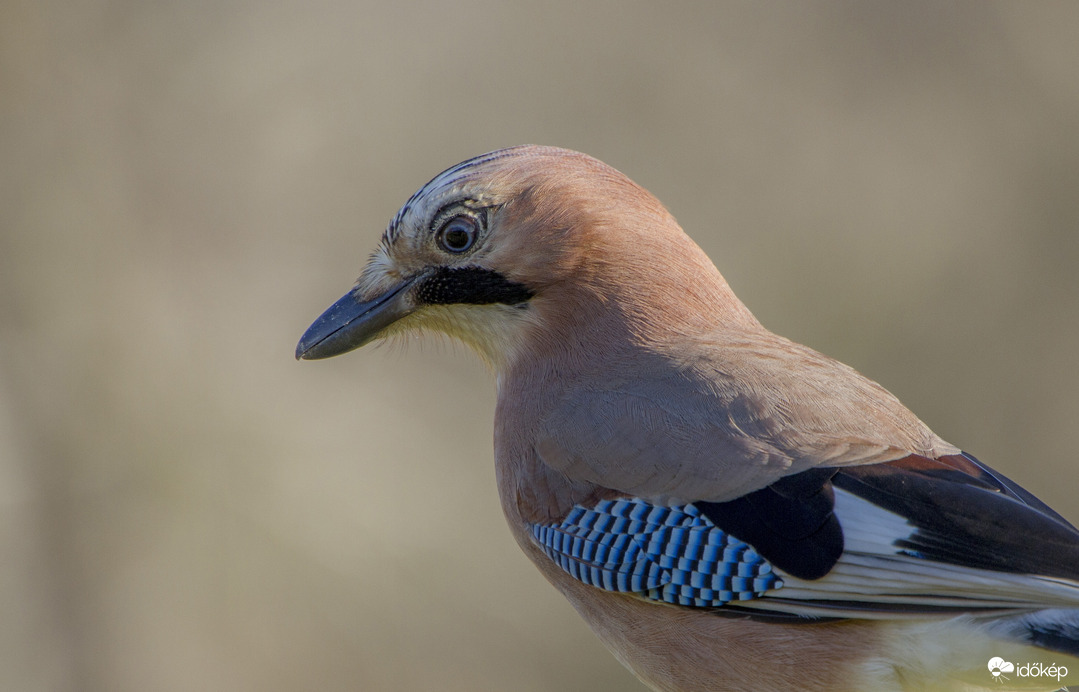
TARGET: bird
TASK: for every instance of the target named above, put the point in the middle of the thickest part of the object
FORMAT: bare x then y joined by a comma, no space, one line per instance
727,509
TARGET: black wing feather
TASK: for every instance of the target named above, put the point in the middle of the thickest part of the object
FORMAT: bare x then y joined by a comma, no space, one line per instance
960,512
790,523
983,521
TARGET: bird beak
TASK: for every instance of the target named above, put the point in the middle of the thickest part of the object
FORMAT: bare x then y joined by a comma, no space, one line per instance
350,322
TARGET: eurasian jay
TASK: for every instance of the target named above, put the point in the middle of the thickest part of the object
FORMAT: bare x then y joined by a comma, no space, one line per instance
727,509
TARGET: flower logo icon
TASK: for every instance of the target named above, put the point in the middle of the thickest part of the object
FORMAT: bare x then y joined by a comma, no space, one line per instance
998,666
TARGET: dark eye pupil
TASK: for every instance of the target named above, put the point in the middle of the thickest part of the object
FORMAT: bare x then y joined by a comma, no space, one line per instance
457,236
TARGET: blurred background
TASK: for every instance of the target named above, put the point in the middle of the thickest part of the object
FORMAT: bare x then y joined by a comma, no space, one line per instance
184,186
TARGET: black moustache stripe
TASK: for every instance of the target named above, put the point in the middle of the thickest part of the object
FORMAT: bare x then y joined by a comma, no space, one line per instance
470,286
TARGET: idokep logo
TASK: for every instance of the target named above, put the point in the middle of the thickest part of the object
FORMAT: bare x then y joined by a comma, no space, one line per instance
998,667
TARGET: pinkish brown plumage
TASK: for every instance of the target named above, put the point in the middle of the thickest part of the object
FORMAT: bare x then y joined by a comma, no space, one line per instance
726,508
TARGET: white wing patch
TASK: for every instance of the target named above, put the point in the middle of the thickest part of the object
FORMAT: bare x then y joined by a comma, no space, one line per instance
876,579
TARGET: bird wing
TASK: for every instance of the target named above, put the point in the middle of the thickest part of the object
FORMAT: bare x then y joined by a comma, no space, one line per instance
912,537
718,418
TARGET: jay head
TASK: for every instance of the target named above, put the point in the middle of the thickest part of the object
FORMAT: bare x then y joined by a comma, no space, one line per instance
526,253
727,509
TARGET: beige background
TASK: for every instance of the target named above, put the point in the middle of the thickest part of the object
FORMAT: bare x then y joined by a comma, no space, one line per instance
184,186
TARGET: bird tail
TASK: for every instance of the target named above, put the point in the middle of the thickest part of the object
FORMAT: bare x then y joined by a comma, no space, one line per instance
1033,650
1054,629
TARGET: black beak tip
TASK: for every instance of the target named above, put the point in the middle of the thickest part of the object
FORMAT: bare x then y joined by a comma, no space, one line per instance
325,331
317,341
350,323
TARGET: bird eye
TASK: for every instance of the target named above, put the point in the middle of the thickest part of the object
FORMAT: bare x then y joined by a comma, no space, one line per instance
458,234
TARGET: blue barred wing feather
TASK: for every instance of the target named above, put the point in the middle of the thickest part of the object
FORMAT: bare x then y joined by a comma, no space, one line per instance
673,555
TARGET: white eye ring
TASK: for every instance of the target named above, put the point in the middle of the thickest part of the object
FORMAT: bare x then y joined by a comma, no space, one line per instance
458,234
